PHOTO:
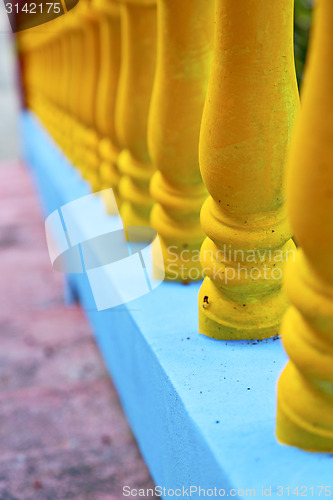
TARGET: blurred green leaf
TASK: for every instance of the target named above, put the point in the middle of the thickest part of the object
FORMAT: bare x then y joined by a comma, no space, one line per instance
303,11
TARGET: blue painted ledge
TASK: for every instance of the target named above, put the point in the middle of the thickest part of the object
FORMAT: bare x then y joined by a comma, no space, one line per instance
202,411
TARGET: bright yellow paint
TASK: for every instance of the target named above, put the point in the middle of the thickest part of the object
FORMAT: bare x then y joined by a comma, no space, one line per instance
138,56
76,60
88,160
185,42
249,113
106,93
62,87
305,390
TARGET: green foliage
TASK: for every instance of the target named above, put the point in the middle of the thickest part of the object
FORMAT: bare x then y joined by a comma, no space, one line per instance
303,10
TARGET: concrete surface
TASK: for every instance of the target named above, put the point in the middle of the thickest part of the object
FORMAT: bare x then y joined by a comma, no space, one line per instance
62,431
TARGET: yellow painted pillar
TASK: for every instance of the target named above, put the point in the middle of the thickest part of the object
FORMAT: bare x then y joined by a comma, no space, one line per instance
62,90
86,158
110,43
43,91
71,81
56,89
32,71
77,50
305,389
52,82
249,113
40,47
36,64
183,64
138,58
34,47
45,65
49,76
67,58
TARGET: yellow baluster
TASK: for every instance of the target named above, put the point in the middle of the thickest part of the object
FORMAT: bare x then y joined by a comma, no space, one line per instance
36,98
42,92
107,92
62,88
87,138
77,50
67,58
183,65
52,78
305,390
138,19
56,88
249,113
39,49
33,46
52,121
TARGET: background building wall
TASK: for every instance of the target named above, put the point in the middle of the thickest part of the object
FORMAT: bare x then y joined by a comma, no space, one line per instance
9,144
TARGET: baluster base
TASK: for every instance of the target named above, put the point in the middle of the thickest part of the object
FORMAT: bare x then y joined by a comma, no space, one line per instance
176,266
304,414
247,318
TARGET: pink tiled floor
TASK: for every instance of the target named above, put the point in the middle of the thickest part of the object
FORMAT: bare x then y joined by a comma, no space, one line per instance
62,432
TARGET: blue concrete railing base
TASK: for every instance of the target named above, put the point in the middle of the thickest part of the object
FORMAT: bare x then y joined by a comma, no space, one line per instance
202,411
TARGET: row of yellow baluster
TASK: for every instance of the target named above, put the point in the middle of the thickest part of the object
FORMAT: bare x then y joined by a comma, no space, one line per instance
126,87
